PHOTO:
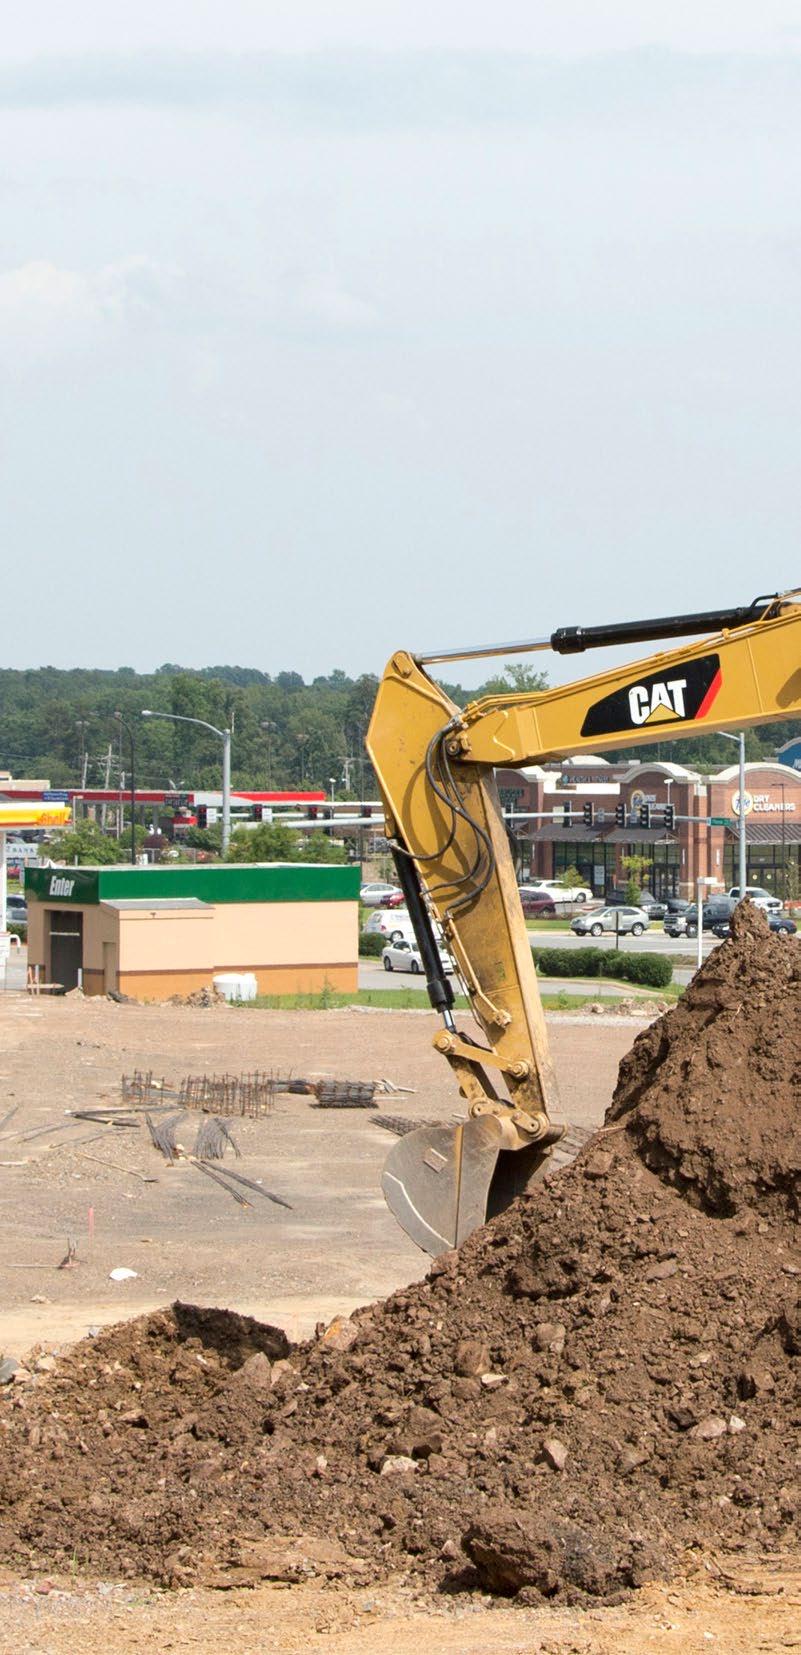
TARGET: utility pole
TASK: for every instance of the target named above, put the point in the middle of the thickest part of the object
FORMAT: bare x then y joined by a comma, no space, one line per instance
106,782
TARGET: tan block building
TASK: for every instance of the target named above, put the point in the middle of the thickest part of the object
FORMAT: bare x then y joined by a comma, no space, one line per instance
157,931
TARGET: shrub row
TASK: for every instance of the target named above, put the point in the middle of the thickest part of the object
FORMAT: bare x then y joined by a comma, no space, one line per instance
372,945
655,970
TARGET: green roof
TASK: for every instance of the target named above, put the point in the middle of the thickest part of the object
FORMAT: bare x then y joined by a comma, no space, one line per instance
210,882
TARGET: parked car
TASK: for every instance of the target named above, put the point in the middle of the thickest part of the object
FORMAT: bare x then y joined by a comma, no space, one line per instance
557,892
390,923
405,956
537,905
624,921
372,893
618,897
715,912
395,899
652,905
780,924
759,896
17,911
676,905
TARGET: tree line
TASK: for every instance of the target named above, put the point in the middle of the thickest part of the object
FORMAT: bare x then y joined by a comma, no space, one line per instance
287,733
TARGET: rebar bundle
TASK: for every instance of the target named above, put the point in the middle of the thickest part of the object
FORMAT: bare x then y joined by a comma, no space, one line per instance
248,1094
145,1089
343,1094
213,1138
401,1124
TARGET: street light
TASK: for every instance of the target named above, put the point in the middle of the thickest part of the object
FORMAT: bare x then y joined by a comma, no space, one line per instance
742,858
124,725
225,737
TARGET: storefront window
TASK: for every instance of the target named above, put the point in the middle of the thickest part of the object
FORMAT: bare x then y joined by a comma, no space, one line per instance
598,865
662,878
777,868
595,863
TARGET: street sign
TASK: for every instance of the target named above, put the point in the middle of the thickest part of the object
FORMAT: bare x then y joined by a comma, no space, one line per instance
721,821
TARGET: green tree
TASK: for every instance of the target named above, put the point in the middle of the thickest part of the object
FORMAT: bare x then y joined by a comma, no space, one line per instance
320,849
87,845
790,878
569,879
635,868
516,679
270,842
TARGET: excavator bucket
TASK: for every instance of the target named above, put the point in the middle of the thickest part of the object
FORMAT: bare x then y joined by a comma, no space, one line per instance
442,1182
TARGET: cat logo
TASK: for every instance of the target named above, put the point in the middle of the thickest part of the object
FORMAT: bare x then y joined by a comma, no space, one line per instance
661,701
687,695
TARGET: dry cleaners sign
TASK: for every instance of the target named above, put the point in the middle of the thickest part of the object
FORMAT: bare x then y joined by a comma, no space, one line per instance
761,804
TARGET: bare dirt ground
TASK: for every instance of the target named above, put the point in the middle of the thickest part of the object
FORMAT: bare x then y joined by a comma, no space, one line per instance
338,1247
184,1237
755,1613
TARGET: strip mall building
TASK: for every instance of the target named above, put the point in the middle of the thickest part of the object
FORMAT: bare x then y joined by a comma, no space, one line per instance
695,848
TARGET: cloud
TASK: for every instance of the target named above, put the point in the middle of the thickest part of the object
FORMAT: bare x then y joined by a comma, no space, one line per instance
46,308
363,89
322,302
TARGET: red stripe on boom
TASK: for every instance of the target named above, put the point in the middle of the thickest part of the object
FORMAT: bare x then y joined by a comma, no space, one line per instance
710,694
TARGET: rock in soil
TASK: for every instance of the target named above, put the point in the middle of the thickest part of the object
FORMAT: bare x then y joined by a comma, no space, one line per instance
638,1310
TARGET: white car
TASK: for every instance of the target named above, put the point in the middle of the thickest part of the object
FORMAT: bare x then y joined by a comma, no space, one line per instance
558,893
405,956
390,923
759,896
375,892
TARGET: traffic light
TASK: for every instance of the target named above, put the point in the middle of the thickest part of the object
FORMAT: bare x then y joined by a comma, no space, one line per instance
201,815
588,813
620,815
645,816
567,816
670,818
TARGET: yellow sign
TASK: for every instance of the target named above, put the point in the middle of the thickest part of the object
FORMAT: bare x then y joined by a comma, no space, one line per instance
27,814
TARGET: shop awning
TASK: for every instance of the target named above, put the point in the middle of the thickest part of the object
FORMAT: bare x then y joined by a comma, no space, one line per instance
154,904
768,833
578,835
639,836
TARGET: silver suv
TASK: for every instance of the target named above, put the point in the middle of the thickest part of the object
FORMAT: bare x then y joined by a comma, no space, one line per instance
622,920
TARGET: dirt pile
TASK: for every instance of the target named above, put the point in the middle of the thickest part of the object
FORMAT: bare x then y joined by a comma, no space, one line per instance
605,1376
711,1094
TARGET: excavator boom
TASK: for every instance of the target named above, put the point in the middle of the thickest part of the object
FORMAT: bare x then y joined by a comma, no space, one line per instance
435,766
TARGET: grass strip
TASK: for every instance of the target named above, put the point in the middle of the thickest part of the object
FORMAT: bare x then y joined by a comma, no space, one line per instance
416,999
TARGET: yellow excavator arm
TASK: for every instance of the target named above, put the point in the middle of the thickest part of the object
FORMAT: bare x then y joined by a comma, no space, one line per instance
435,766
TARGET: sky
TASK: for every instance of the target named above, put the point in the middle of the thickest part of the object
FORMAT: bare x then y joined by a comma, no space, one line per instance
332,328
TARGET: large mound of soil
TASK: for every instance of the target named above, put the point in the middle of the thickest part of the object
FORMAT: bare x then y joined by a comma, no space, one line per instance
711,1094
604,1376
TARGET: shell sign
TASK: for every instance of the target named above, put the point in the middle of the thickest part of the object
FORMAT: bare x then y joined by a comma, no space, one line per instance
25,813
